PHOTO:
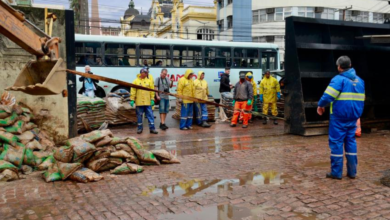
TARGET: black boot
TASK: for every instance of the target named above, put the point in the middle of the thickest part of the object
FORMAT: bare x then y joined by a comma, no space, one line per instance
165,126
205,124
153,132
162,126
139,131
329,175
265,121
275,122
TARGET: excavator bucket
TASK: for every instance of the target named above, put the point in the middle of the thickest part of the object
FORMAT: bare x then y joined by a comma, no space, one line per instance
42,77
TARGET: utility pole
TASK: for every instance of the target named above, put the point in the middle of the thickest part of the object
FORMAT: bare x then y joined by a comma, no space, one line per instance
344,10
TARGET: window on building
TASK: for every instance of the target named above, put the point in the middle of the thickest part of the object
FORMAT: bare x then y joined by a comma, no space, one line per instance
287,12
306,12
218,57
205,34
348,15
230,2
255,17
378,18
279,38
279,14
263,15
230,22
328,13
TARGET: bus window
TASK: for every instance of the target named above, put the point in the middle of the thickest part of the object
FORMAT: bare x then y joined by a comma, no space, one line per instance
184,56
117,55
218,57
89,53
269,61
146,55
130,56
239,58
163,56
253,58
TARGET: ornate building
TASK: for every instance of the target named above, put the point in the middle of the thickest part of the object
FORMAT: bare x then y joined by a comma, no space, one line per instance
134,24
191,22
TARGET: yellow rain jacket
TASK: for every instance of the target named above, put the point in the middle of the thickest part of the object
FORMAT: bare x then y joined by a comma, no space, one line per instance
269,88
253,83
142,97
201,88
186,86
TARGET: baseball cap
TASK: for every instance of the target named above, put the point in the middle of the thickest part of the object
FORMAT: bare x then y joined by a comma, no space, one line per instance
242,75
143,70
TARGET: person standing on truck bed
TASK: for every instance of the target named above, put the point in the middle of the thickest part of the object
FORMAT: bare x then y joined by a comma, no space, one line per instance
89,85
144,101
346,95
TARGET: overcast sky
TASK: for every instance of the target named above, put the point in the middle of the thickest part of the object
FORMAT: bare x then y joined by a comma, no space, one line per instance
114,9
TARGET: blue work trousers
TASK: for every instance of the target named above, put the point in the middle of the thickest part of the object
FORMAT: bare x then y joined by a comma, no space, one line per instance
201,113
187,113
140,110
342,136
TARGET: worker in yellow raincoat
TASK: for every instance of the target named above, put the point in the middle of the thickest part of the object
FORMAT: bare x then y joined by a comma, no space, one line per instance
269,95
144,100
249,78
186,87
201,92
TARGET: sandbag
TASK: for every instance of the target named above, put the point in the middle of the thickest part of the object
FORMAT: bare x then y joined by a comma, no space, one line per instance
147,158
8,175
134,160
64,154
26,170
41,156
124,147
99,154
171,161
85,175
14,155
4,165
165,157
67,169
30,126
9,120
47,144
135,145
5,111
35,145
29,158
26,137
113,162
18,109
4,114
118,140
97,164
121,154
73,142
83,152
16,128
95,136
8,138
105,141
26,117
48,162
52,174
127,168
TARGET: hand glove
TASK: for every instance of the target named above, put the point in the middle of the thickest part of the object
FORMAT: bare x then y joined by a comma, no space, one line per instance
278,95
249,103
152,102
261,98
255,97
132,103
234,102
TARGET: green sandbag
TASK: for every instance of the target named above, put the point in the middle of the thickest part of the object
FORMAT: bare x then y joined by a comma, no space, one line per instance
4,114
29,158
118,140
85,175
14,155
17,128
83,152
63,154
52,174
9,121
40,156
135,145
4,165
48,162
8,138
95,136
127,168
67,169
148,158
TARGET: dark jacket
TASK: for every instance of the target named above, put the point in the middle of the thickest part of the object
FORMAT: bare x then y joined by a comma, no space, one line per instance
243,91
82,79
225,83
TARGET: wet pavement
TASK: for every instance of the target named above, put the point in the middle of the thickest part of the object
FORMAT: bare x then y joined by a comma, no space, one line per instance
251,174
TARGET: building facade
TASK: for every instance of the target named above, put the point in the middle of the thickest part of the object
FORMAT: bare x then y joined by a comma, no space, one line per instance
95,18
182,22
268,16
134,24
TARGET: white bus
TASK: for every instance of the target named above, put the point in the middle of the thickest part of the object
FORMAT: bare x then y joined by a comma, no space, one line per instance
122,58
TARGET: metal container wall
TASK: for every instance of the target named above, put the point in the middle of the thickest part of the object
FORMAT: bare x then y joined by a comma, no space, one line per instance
312,48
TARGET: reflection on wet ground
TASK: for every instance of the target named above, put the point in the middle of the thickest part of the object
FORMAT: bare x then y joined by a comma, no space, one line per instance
231,212
197,187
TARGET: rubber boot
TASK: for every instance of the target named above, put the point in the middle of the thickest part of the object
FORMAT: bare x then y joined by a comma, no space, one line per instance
205,124
264,121
275,122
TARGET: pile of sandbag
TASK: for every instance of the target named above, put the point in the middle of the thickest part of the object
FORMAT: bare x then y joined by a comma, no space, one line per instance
227,99
22,143
83,158
177,113
118,110
90,112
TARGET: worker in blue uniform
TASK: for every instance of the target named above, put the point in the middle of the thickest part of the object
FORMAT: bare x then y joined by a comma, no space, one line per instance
345,94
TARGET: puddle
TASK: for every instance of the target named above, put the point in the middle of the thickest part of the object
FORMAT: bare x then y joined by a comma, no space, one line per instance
230,212
197,187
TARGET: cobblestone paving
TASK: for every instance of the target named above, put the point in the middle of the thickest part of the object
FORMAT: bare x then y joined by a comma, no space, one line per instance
273,177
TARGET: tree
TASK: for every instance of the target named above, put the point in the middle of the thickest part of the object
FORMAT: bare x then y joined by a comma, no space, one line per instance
75,6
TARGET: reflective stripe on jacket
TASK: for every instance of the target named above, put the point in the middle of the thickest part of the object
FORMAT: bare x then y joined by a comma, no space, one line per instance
346,95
